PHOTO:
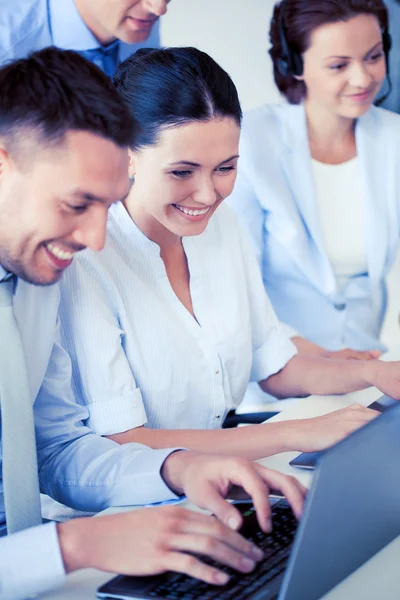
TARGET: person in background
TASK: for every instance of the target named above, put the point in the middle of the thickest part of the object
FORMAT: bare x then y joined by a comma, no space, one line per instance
392,101
167,325
318,178
104,32
64,134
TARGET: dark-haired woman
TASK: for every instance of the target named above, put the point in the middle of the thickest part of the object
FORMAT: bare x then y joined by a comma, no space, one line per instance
318,185
169,322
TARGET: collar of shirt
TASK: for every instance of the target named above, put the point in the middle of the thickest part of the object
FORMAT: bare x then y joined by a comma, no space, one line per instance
136,237
69,31
3,274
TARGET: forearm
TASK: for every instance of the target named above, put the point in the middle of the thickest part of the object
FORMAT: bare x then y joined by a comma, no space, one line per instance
305,375
307,348
93,473
252,442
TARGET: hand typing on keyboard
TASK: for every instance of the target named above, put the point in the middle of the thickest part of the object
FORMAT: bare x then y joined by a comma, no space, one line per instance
276,547
170,538
208,480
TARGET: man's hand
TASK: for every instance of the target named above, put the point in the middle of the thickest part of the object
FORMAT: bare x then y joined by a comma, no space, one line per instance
153,540
208,480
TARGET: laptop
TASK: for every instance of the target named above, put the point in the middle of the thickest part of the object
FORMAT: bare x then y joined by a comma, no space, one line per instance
308,460
351,512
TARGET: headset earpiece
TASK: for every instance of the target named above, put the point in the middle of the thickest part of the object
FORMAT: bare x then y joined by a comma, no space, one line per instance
290,63
283,66
387,44
298,65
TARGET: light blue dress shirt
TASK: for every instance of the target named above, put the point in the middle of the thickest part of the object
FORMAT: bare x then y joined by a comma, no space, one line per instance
275,198
139,357
29,25
76,466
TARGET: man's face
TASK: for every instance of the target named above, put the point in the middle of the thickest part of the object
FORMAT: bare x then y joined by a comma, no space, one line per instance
55,203
128,20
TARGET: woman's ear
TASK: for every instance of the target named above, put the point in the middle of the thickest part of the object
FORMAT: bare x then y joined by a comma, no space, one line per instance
132,164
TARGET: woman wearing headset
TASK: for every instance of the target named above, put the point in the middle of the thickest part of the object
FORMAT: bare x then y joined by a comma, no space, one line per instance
318,178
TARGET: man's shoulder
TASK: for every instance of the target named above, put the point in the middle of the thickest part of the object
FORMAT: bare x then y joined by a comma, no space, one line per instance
24,28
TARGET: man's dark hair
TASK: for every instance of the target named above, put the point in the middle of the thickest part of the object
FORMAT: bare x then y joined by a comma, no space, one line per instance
53,91
172,86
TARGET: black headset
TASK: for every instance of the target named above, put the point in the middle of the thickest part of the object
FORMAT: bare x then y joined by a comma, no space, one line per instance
290,62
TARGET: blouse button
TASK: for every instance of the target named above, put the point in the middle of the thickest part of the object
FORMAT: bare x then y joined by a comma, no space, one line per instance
340,305
218,416
217,372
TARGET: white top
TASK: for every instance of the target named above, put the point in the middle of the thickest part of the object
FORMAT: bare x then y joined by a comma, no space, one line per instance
341,207
140,357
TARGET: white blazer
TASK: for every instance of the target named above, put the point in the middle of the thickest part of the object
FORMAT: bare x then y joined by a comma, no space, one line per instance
275,198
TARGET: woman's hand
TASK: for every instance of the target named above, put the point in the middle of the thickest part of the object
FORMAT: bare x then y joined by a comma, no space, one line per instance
319,433
386,377
348,354
310,349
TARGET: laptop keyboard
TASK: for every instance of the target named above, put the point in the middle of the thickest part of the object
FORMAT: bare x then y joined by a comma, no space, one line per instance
276,547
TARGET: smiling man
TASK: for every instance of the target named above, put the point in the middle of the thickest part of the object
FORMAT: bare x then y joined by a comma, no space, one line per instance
103,31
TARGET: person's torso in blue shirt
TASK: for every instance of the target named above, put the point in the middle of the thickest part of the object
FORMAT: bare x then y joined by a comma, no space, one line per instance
29,25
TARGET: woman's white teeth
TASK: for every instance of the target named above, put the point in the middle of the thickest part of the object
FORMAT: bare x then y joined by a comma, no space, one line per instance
192,213
58,253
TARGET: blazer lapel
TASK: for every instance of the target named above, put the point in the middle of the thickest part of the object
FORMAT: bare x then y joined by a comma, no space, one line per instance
374,163
306,246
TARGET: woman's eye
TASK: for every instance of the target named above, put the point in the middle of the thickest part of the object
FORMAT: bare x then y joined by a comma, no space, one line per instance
226,169
77,208
376,57
338,67
181,174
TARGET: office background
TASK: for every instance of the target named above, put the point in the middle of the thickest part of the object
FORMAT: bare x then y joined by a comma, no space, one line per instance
237,38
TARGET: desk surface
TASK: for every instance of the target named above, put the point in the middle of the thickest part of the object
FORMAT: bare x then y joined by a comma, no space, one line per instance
379,577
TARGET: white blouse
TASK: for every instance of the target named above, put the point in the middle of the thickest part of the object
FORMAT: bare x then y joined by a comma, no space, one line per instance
139,357
342,213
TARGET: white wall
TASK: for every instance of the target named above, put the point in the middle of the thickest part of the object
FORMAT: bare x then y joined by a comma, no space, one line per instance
237,38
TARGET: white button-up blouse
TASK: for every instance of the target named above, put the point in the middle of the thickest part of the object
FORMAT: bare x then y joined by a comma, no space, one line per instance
139,357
